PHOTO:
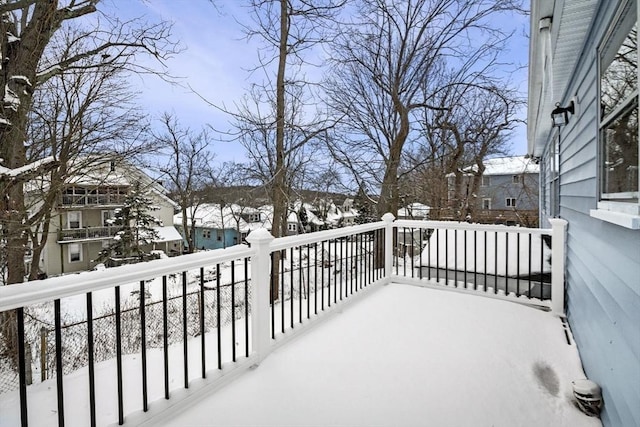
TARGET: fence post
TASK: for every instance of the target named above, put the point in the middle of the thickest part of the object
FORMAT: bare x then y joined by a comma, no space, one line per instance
260,240
558,255
388,218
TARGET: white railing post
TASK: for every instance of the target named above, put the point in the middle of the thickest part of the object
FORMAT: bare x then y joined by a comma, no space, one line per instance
558,255
260,239
388,218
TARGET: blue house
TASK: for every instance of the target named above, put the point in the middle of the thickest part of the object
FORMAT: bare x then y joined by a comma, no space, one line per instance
584,69
218,227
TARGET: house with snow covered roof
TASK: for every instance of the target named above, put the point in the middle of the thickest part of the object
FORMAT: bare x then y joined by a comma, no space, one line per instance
219,226
80,227
506,191
583,128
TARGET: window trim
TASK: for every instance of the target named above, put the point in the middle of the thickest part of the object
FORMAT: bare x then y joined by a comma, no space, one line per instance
510,202
69,220
625,214
79,245
486,199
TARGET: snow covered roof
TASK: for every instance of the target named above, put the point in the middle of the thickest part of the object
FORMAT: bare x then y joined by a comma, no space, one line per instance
167,234
209,215
510,166
413,209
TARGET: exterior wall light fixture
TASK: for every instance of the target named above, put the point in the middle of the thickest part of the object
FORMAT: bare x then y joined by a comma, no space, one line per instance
560,115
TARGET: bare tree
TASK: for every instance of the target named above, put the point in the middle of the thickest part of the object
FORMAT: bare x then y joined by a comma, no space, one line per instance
187,168
477,125
272,119
27,33
391,64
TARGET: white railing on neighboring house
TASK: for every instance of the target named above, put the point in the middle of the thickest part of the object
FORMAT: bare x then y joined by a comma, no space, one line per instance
173,327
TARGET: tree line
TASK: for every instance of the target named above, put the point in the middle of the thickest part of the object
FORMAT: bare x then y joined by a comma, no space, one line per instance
409,92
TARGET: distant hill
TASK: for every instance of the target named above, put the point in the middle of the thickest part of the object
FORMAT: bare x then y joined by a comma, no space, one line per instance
256,195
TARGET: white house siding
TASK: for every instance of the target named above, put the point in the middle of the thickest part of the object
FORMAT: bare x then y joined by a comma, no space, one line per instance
603,259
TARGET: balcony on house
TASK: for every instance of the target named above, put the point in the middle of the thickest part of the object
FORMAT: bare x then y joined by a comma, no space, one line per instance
93,196
362,318
86,233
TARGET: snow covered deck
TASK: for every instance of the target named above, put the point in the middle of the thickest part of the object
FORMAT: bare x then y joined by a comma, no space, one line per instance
337,338
406,356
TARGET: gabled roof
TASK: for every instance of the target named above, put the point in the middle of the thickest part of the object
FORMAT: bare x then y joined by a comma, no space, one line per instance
510,166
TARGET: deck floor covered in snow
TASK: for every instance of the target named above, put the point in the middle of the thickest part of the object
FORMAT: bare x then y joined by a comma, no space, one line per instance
408,356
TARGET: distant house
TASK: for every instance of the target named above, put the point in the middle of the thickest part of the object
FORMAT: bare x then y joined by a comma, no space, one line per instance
507,191
584,68
80,226
218,227
414,211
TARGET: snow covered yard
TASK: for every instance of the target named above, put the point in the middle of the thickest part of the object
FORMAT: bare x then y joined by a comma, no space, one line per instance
408,356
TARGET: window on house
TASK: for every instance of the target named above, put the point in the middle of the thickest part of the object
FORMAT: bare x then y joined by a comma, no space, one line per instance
486,204
486,181
516,179
75,252
207,234
619,109
74,219
510,202
292,226
254,217
106,217
219,236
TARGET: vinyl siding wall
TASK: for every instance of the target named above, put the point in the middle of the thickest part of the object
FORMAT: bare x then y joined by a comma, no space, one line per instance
603,259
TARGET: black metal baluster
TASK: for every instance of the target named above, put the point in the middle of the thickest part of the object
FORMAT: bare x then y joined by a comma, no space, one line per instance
291,299
335,271
90,351
246,307
446,257
202,332
365,266
357,272
495,272
322,278
119,356
437,255
529,267
429,253
420,265
486,235
272,297
300,284
413,246
22,368
315,277
329,274
308,285
541,266
185,332
341,270
59,372
518,267
465,258
475,260
233,311
282,304
218,316
143,348
165,333
455,258
506,263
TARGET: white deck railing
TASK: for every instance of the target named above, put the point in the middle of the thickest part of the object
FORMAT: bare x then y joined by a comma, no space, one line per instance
213,314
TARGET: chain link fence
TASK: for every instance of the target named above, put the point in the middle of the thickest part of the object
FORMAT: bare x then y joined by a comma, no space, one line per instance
40,339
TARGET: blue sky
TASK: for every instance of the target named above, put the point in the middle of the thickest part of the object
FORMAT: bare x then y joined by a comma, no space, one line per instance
217,58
